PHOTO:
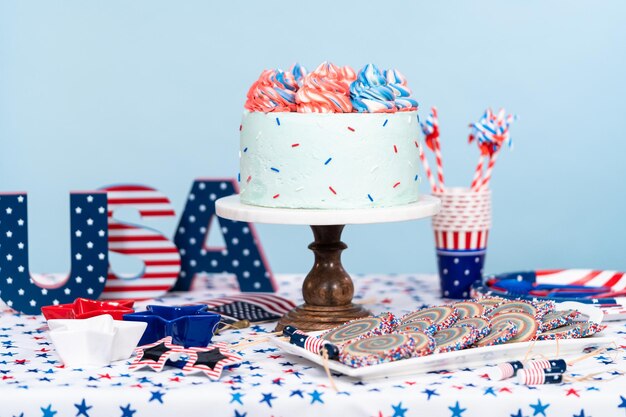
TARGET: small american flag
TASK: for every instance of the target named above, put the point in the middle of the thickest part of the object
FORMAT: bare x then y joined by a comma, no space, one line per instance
254,307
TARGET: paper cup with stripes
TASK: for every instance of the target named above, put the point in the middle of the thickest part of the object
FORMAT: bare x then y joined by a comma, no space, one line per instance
461,231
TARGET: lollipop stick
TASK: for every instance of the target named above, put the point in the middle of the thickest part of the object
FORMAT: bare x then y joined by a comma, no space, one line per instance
429,174
478,173
492,162
439,164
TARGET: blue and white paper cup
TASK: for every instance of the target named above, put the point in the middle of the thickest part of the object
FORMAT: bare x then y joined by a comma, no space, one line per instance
461,231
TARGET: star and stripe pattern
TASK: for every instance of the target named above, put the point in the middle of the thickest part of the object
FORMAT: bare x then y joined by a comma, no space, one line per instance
27,292
159,254
242,254
211,360
256,308
612,303
34,382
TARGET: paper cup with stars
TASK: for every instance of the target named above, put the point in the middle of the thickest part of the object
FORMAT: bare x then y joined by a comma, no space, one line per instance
461,230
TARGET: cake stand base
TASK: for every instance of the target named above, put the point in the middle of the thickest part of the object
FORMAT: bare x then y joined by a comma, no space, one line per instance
327,289
311,318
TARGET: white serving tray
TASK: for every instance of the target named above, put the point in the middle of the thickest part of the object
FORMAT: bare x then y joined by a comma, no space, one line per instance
467,358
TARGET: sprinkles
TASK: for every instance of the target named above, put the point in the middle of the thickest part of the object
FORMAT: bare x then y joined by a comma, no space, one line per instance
572,331
328,161
499,334
276,196
295,145
351,129
395,148
370,197
424,343
332,190
555,319
396,184
278,121
385,124
245,149
275,169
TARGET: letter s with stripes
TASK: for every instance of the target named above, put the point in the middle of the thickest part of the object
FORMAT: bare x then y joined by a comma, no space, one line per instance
158,253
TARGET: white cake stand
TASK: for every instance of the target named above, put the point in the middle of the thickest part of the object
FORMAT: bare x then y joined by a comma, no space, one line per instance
327,289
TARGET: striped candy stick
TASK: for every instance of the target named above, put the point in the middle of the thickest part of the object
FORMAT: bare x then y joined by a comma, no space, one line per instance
433,128
492,162
439,165
429,174
478,173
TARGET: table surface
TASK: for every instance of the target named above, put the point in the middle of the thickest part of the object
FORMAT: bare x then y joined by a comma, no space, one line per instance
232,208
33,381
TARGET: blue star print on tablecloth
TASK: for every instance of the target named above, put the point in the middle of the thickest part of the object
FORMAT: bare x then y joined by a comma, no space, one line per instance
539,408
127,411
82,408
457,411
272,382
398,411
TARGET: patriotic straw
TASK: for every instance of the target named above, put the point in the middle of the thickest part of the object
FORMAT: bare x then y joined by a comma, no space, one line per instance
490,133
429,173
431,130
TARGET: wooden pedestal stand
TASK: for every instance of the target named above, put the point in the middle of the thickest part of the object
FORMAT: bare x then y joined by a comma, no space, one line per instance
327,289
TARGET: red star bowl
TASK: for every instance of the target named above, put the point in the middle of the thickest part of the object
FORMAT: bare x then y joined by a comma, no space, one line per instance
83,308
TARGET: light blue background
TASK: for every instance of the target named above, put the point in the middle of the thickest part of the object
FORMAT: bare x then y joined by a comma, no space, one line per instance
94,93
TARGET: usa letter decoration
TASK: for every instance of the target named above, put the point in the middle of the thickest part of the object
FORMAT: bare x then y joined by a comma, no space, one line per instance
157,252
242,256
89,261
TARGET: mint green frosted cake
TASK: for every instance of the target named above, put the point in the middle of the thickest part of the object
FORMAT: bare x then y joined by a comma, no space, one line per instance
329,140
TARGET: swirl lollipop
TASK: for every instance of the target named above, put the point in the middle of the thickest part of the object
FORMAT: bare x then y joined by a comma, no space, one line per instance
424,343
467,309
424,324
377,349
519,305
455,338
359,328
441,316
481,325
527,325
571,331
500,333
555,319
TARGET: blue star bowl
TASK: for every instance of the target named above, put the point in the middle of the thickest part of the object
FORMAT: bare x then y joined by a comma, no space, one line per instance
189,326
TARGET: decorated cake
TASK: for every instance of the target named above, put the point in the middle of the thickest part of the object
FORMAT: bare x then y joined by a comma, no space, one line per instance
329,139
